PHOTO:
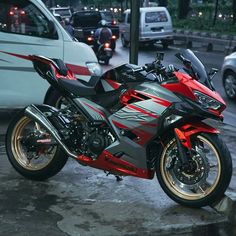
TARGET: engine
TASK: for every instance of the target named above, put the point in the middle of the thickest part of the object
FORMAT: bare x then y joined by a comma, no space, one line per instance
89,139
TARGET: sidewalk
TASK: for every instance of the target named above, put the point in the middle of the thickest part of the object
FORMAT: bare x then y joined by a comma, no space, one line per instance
84,201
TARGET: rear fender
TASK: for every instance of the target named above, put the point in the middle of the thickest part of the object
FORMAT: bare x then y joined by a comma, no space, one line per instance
185,132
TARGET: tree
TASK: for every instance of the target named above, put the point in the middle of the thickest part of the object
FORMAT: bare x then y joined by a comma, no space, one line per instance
216,11
183,8
163,3
234,11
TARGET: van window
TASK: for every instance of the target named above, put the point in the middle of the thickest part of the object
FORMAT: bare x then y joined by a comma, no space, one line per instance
22,17
86,19
154,17
63,12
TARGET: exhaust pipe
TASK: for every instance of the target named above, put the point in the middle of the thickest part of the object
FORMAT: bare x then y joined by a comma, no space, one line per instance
35,114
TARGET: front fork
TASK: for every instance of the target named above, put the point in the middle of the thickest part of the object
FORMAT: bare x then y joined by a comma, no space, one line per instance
183,136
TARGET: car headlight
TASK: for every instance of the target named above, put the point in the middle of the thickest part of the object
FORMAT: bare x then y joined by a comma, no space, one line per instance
94,68
206,101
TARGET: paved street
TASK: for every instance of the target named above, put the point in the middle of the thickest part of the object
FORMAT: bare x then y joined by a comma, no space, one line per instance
84,201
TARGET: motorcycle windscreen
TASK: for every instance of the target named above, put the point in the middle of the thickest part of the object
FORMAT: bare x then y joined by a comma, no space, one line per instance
197,65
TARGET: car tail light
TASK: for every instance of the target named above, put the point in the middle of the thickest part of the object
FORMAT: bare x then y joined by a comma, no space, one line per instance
90,39
113,37
11,13
114,22
22,12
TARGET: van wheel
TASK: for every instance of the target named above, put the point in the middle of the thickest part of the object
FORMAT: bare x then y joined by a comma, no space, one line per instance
124,42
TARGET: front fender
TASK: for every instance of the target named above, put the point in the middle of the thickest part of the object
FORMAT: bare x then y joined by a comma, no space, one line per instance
185,132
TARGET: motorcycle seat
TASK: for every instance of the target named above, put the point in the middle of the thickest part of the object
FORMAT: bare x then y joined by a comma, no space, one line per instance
76,87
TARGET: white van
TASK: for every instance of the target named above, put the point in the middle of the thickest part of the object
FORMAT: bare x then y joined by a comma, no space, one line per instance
27,27
155,26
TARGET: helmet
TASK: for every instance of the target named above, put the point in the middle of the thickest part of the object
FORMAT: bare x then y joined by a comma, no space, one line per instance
102,23
67,21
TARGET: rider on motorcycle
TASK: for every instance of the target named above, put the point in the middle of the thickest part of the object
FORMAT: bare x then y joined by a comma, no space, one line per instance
102,35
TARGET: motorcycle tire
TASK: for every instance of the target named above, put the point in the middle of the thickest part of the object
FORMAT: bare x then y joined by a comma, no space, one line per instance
55,99
198,192
21,159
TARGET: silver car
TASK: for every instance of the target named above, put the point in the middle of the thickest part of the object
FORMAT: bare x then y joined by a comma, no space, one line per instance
229,75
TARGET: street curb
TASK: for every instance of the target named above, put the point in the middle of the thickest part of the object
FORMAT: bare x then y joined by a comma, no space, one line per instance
206,40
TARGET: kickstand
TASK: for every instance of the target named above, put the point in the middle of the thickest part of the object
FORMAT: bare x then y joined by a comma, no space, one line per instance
118,178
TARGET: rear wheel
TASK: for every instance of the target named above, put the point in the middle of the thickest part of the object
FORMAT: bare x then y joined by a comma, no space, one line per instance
55,99
31,150
229,82
208,178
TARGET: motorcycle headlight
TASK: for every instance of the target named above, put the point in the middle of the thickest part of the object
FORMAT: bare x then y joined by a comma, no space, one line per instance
94,68
206,101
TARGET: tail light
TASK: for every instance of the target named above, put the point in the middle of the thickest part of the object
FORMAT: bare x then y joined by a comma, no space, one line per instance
113,37
114,22
11,13
90,39
107,45
22,12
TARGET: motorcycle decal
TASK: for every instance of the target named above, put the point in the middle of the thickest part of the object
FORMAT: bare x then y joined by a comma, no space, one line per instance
130,115
146,112
17,55
96,110
80,70
113,84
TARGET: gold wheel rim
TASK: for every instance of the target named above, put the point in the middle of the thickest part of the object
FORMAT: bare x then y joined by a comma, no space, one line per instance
21,156
176,189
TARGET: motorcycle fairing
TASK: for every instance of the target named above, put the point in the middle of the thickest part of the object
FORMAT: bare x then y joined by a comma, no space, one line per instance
108,162
186,131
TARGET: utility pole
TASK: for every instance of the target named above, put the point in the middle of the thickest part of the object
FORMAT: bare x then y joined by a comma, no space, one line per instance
134,31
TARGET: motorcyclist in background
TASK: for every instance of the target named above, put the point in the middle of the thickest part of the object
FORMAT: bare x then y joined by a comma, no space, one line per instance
68,27
102,35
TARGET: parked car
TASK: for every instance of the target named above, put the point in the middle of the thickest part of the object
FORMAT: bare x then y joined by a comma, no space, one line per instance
27,27
155,26
228,71
85,24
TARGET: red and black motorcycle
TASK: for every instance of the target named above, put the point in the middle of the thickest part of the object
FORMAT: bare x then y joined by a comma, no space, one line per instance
127,125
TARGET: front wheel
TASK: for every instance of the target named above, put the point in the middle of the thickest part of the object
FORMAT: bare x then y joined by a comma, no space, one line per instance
207,179
31,150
